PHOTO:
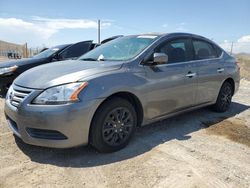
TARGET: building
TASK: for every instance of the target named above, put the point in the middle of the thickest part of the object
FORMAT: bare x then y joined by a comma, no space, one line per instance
12,50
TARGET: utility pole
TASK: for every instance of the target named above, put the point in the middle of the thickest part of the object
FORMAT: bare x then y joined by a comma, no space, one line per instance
26,50
232,45
99,31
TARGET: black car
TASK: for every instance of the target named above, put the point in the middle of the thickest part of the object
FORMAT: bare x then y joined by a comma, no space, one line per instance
11,69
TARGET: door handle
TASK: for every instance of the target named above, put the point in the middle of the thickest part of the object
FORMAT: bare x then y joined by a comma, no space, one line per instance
220,70
190,74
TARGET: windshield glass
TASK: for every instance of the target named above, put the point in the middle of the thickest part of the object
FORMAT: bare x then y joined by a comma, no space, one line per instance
120,49
49,52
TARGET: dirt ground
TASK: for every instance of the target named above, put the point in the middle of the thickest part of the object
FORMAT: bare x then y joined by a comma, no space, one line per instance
244,62
197,149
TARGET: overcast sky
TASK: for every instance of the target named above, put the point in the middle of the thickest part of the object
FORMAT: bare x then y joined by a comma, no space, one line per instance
51,22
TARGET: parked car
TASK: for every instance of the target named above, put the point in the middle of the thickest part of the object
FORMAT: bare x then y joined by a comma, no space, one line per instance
12,55
111,38
11,69
128,82
43,49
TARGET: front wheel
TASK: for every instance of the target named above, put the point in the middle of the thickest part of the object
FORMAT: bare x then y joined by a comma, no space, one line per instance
224,98
113,125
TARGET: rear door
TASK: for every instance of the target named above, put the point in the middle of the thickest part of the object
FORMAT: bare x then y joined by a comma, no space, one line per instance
76,50
210,69
172,86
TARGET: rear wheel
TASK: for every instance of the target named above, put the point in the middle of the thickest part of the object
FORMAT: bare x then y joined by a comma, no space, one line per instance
224,98
113,125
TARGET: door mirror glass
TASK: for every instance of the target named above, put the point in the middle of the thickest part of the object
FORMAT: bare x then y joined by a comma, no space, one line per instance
160,58
55,57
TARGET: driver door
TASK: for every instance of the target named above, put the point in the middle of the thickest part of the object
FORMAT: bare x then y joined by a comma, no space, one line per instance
172,85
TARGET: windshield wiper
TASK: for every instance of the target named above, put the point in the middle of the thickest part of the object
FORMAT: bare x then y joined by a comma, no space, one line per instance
88,59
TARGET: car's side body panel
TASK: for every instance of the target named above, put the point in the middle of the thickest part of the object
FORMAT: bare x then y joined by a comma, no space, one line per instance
210,79
168,89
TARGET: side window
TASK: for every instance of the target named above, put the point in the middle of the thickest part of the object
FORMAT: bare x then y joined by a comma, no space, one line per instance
76,50
218,51
178,50
203,50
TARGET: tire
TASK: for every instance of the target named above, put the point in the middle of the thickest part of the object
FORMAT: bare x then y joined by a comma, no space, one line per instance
113,125
224,98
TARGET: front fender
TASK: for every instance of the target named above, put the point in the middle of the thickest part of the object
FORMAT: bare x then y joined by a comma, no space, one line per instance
106,85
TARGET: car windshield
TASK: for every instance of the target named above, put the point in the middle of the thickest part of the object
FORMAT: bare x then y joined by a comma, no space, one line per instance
120,49
49,52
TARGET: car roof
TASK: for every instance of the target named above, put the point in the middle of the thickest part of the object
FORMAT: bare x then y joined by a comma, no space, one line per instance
174,34
61,46
184,34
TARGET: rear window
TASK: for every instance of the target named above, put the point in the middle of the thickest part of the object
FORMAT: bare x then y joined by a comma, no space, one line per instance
203,50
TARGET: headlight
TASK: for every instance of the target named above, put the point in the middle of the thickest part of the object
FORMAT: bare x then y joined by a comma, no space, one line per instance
8,70
61,94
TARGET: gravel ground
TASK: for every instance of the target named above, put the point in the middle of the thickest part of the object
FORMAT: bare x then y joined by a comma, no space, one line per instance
196,149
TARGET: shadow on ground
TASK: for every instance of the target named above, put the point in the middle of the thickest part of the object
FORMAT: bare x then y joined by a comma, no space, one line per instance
144,140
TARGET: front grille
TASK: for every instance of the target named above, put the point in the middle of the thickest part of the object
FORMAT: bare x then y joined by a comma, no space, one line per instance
17,94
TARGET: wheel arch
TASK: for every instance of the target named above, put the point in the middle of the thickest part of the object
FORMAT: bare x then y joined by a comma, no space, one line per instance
130,97
231,81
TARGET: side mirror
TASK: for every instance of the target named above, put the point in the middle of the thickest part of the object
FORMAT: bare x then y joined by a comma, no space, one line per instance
57,57
160,58
60,57
54,57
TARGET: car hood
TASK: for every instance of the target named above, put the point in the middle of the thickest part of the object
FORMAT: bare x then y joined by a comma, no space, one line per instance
63,72
20,62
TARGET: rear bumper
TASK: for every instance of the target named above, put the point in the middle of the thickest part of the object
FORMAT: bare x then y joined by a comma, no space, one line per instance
61,126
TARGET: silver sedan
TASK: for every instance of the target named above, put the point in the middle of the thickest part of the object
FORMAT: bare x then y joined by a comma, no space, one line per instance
130,81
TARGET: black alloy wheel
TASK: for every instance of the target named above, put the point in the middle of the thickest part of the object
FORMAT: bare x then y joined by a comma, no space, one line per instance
113,125
224,98
117,127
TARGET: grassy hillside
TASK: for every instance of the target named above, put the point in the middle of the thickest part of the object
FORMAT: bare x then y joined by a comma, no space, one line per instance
244,62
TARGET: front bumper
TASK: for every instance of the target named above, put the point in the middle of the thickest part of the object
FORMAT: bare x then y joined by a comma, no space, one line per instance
5,82
57,126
